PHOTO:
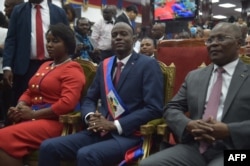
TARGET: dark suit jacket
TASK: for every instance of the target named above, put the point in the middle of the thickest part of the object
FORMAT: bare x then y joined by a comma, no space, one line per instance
17,45
123,18
236,112
140,87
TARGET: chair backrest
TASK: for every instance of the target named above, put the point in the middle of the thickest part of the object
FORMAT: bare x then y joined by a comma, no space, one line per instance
169,79
186,54
89,69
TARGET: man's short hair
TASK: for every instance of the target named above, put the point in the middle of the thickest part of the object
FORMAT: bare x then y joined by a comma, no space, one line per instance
132,8
151,39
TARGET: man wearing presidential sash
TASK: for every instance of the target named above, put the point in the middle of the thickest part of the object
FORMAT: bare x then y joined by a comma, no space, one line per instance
130,87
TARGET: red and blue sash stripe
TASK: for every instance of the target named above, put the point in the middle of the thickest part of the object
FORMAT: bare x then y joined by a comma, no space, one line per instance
108,84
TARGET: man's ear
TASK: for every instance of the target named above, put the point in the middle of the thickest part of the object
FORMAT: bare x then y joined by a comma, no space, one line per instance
240,42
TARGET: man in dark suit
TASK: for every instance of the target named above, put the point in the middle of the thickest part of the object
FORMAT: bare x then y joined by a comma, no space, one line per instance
128,16
135,99
148,47
20,59
228,126
159,32
247,46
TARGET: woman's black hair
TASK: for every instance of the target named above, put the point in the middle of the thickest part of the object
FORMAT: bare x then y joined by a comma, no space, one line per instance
68,7
64,32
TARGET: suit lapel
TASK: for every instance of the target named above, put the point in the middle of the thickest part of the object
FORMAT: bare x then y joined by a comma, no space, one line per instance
51,14
130,64
202,88
239,76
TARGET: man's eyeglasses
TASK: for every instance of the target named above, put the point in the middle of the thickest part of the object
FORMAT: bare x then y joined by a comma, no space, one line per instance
219,39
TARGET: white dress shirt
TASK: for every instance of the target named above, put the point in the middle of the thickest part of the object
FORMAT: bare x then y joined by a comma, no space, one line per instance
101,34
45,21
227,77
3,34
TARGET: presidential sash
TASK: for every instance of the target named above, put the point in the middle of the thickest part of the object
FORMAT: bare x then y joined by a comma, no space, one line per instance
116,107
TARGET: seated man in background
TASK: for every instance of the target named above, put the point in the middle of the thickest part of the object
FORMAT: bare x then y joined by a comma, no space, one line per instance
158,32
147,47
84,44
217,99
247,46
55,89
243,26
133,99
245,52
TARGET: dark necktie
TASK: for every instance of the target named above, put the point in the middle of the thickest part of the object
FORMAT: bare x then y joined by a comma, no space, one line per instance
213,103
118,73
39,34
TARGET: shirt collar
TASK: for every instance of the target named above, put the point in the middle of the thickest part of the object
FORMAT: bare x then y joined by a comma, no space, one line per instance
43,4
161,38
124,60
229,68
112,20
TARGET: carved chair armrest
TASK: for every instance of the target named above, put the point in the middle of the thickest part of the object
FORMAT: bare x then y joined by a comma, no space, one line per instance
150,127
70,125
162,129
76,122
75,118
147,131
165,132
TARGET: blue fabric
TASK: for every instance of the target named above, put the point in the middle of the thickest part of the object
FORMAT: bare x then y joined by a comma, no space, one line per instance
85,40
40,106
119,4
104,2
85,147
107,68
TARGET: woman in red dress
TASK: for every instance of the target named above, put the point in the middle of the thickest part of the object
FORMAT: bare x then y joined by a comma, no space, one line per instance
54,90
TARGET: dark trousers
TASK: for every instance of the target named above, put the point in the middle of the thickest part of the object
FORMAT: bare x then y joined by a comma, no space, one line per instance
2,113
5,102
87,148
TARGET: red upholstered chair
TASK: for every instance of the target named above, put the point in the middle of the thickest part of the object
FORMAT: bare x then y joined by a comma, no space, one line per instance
186,54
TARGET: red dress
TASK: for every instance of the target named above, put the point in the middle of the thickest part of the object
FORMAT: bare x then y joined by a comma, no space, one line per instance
60,88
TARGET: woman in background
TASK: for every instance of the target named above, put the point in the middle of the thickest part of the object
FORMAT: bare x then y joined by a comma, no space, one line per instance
71,14
54,90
